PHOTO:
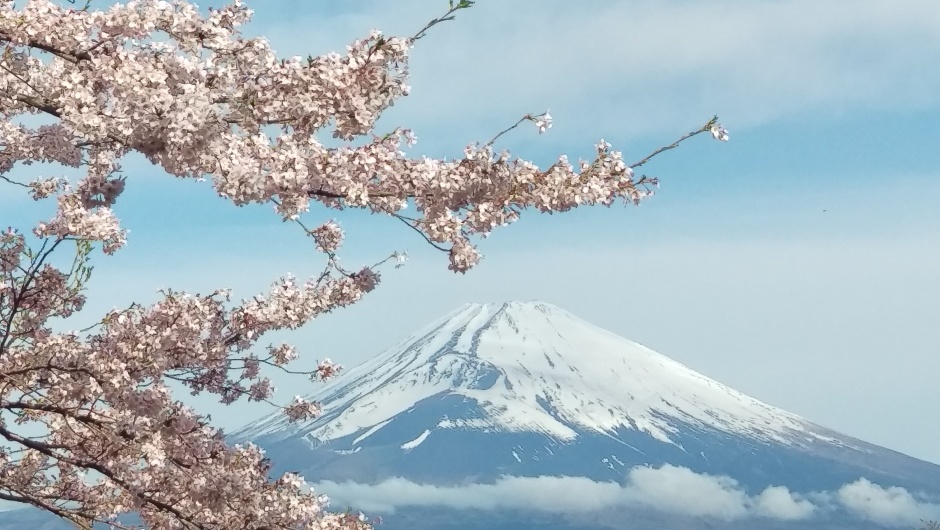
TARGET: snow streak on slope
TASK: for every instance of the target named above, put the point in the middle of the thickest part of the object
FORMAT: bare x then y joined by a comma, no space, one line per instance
532,367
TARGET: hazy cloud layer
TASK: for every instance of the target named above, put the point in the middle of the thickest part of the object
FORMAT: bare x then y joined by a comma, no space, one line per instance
670,489
634,67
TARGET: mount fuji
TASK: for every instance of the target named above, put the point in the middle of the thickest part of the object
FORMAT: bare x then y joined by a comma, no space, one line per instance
519,414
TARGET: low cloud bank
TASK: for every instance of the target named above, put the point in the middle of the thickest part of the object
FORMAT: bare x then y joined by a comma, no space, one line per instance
669,489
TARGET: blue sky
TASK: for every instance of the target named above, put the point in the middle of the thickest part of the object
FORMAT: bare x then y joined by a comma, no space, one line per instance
798,263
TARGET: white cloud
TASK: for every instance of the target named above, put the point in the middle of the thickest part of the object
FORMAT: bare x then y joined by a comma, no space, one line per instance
779,503
885,505
681,490
669,489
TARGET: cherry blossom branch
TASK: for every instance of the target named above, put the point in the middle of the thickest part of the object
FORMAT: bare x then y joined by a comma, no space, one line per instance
39,45
70,515
47,450
20,294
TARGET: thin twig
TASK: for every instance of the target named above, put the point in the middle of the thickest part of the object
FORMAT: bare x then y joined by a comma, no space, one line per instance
449,15
416,229
13,181
707,127
527,117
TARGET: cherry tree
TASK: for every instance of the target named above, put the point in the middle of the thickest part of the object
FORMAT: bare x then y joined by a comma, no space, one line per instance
89,425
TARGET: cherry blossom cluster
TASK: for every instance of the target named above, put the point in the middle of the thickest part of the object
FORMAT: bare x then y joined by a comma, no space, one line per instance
328,236
74,220
188,91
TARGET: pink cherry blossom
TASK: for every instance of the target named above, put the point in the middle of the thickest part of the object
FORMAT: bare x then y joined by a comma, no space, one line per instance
719,133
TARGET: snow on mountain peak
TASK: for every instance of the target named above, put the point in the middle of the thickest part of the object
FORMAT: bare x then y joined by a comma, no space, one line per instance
533,367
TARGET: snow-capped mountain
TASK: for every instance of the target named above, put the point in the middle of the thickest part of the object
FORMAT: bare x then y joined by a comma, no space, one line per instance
529,390
532,367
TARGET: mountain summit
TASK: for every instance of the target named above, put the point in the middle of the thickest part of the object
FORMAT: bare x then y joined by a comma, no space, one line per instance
528,391
533,367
